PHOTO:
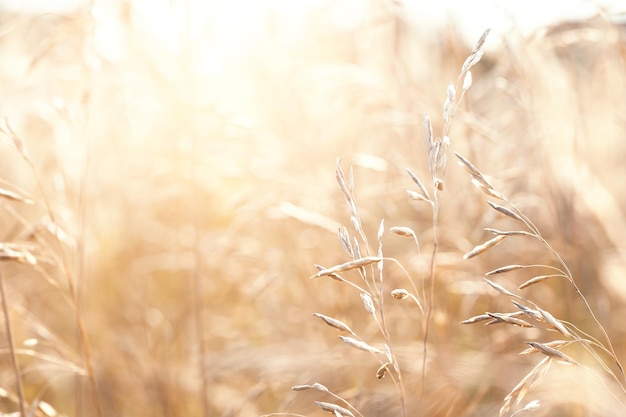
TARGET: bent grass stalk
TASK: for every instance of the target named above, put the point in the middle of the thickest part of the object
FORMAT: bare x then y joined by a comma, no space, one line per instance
550,349
437,152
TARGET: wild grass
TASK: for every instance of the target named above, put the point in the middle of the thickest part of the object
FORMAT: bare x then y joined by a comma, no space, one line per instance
164,196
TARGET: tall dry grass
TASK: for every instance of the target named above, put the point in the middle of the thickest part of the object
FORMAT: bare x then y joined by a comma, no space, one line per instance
156,251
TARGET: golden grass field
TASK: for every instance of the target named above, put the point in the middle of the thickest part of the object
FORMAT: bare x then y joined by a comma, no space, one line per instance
168,186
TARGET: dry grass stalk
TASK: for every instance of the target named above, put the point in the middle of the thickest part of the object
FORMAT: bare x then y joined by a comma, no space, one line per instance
64,264
16,368
436,148
537,313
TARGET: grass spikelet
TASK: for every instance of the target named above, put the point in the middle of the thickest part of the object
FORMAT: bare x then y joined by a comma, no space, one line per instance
509,319
552,353
414,195
334,409
505,211
500,288
538,279
504,269
478,178
428,138
555,344
484,246
368,303
556,324
402,231
358,344
337,324
424,192
477,319
357,263
528,311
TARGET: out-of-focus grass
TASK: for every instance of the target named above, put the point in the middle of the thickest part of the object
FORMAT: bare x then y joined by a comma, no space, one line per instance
213,154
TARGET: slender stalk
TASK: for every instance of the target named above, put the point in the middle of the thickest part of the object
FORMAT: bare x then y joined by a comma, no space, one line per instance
570,278
431,297
16,369
69,276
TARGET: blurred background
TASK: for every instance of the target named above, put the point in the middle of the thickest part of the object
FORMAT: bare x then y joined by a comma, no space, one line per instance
180,159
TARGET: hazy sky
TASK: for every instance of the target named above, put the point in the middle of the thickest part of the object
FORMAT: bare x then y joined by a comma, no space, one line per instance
470,16
527,13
